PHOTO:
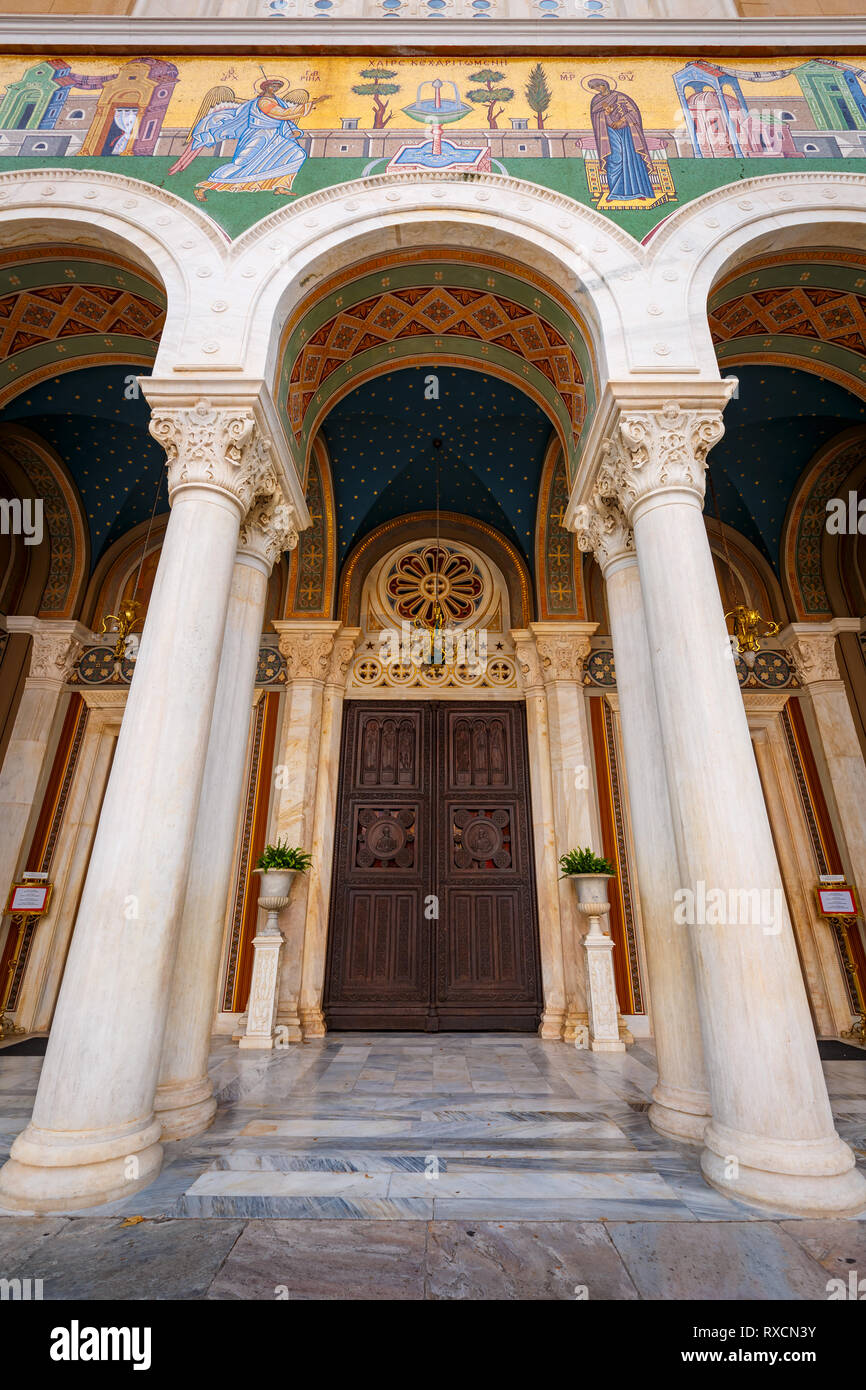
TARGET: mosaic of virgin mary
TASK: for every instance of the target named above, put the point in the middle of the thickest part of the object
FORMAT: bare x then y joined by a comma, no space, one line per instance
617,127
268,153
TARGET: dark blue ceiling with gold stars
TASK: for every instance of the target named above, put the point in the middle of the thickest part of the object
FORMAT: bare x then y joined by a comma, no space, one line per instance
493,443
779,421
103,440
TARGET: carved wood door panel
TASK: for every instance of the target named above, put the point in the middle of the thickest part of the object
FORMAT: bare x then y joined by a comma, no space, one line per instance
433,815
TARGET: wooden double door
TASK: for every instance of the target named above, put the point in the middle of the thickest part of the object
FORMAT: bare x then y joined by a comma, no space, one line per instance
433,921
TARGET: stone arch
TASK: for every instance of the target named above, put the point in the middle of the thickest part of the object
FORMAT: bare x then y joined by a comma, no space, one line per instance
64,519
418,525
558,560
160,233
572,246
754,581
313,562
724,229
805,523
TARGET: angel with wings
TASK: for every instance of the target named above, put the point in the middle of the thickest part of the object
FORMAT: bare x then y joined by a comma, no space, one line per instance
268,154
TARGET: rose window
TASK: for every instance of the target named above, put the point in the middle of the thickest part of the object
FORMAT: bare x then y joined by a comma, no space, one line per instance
417,579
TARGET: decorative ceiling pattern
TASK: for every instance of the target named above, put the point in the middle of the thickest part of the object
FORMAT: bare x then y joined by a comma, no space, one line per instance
774,427
380,441
804,309
101,434
62,312
450,307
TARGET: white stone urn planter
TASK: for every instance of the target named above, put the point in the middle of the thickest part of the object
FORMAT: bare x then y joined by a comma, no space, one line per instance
593,903
274,888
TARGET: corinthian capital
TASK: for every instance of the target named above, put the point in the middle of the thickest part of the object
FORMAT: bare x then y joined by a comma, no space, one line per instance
268,528
651,450
814,656
217,446
563,657
602,529
344,649
307,654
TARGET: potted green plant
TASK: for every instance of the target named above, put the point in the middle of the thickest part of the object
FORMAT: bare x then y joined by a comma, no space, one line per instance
590,874
277,865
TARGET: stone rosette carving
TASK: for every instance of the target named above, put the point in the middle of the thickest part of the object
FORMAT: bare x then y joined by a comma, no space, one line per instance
215,446
563,658
307,654
269,528
52,656
601,527
655,449
814,658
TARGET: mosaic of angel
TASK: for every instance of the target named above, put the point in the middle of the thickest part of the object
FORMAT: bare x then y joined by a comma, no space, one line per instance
268,154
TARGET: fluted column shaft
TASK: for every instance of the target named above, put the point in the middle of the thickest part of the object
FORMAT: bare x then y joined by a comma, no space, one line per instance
93,1135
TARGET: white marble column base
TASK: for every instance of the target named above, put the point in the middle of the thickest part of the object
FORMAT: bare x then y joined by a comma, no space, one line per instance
185,1109
289,1023
40,1177
808,1177
551,1026
680,1114
312,1024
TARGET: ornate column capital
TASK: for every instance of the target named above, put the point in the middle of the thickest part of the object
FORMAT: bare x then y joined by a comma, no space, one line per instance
308,648
652,451
562,655
55,650
215,446
268,529
603,531
812,649
528,660
345,643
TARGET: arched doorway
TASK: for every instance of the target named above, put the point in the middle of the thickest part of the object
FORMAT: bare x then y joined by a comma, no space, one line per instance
434,920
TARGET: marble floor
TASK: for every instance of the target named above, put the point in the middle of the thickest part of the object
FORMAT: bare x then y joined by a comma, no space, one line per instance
431,1166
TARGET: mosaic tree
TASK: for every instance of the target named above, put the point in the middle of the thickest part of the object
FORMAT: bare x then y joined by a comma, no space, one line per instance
538,94
489,94
377,86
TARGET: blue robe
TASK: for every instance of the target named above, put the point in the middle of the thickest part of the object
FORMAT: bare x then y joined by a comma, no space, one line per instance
267,147
627,175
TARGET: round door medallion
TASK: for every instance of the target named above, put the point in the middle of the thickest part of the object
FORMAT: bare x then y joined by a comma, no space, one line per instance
386,838
482,838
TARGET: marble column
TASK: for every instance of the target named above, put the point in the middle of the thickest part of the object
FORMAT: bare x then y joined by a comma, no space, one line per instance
681,1102
550,933
26,767
771,1138
184,1101
562,651
307,646
93,1136
324,830
813,649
